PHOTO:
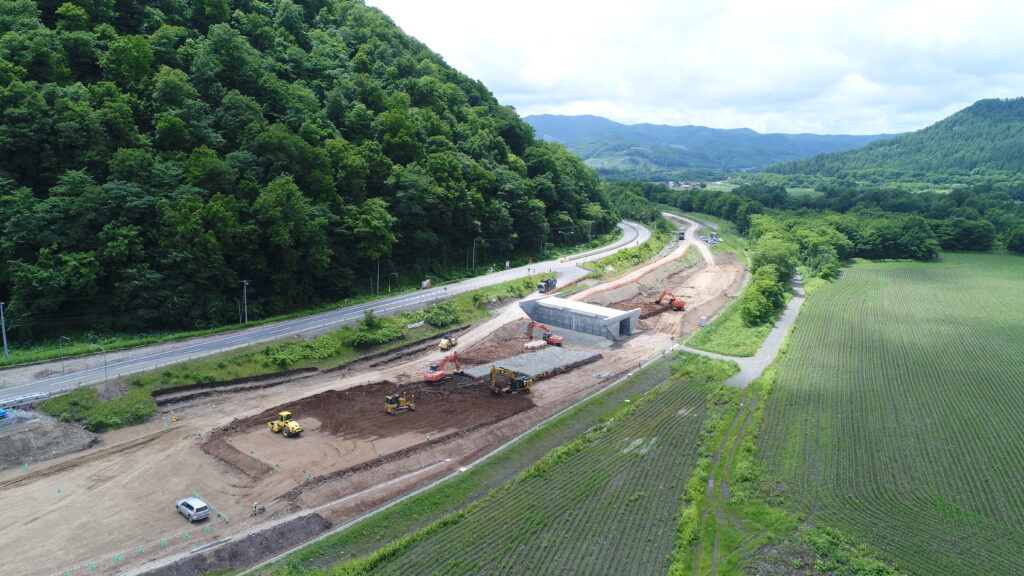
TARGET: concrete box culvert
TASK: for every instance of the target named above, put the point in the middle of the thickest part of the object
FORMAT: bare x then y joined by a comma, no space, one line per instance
582,317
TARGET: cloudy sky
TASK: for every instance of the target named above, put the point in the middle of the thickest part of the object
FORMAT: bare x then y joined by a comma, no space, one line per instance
820,66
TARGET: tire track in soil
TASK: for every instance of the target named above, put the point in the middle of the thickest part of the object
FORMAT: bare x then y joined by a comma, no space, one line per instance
720,518
43,472
724,485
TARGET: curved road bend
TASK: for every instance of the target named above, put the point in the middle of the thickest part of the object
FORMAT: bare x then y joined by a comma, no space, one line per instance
18,383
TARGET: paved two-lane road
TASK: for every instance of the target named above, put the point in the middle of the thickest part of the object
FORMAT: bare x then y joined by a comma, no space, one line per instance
46,379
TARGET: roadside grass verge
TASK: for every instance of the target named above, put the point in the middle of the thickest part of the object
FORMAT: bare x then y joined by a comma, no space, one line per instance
812,283
629,258
135,405
84,405
389,530
70,347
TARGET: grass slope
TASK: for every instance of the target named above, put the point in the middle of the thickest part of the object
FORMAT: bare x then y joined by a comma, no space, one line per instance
897,413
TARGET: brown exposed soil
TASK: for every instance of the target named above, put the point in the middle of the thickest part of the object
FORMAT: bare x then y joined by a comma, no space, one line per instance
350,455
248,550
504,342
359,412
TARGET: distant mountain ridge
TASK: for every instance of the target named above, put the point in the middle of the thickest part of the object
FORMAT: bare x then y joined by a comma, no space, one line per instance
983,141
616,149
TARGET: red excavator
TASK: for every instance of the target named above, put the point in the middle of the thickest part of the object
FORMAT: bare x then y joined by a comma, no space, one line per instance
436,373
675,303
550,338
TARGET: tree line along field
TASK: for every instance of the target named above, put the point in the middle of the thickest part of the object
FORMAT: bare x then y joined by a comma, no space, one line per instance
606,503
897,417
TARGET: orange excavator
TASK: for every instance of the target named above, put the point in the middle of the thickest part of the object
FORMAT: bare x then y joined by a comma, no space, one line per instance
436,373
675,303
550,338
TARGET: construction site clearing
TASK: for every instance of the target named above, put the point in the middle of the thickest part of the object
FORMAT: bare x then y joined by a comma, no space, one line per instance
110,508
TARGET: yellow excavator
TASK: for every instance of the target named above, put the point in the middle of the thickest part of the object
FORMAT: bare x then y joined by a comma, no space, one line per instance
285,424
516,382
394,403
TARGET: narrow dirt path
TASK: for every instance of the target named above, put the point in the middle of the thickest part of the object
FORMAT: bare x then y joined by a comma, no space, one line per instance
717,480
751,368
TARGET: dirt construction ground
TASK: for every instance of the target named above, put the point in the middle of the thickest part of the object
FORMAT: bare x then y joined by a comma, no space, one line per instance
110,508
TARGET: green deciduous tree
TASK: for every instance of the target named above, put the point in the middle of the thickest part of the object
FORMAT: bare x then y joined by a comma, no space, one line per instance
1015,240
293,239
128,62
772,249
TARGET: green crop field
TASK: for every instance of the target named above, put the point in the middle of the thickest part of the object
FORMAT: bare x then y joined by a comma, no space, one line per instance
899,413
605,503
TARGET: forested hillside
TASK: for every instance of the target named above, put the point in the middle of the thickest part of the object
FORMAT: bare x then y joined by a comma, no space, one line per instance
983,143
155,154
649,152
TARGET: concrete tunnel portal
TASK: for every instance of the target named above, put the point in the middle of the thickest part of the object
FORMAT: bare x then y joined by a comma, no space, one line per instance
582,317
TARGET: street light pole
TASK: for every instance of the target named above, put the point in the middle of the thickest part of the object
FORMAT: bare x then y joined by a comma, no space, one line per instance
60,344
104,360
3,329
245,299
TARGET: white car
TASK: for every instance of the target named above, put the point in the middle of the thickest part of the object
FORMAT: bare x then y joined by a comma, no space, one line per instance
193,508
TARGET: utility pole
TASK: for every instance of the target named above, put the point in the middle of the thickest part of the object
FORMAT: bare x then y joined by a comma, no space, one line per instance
60,344
104,360
3,328
245,299
378,275
474,252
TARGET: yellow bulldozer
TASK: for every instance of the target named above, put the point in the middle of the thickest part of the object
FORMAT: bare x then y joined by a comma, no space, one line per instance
285,424
394,403
509,381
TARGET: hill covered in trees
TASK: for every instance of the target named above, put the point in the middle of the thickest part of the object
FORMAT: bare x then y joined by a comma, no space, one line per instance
155,154
983,143
649,152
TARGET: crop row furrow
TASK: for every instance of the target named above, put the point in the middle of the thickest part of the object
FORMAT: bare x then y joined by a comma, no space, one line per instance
897,413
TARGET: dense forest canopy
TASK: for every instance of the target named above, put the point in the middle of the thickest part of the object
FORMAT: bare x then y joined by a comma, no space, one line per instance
983,143
154,154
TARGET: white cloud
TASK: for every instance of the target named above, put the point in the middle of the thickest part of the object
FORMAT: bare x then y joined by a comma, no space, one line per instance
843,66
